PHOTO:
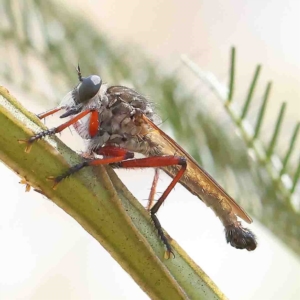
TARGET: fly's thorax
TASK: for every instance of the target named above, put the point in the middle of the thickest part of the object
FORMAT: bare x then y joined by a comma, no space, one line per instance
123,95
120,121
123,131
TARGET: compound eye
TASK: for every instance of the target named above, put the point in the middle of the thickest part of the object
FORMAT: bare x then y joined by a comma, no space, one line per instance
88,88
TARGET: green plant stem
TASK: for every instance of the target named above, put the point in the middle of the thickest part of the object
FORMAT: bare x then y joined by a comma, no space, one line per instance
278,124
262,111
250,92
290,149
232,75
102,205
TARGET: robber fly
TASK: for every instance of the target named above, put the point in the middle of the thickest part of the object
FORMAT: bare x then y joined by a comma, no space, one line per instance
117,122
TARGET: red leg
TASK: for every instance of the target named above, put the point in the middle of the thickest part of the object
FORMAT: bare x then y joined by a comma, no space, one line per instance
53,130
118,157
156,162
114,154
153,189
112,151
49,112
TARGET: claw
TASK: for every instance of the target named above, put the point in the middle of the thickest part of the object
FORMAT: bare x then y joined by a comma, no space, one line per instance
27,184
53,179
23,141
168,253
29,145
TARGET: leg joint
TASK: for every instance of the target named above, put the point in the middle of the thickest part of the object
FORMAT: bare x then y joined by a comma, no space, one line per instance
182,161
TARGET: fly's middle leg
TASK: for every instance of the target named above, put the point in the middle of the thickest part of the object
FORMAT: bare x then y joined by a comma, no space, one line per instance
153,189
111,155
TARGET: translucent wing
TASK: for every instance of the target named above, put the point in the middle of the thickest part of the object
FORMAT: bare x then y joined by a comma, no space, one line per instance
195,179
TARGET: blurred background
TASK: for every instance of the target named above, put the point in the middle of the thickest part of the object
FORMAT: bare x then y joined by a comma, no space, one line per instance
44,253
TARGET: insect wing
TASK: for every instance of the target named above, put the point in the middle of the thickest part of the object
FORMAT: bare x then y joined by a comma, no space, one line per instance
196,180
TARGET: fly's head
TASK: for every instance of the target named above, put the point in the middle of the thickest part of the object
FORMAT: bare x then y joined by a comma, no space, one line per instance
87,88
83,94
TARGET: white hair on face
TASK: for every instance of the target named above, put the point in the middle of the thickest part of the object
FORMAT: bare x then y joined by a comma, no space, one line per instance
67,100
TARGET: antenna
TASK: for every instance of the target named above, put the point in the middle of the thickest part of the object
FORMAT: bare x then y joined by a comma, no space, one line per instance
79,73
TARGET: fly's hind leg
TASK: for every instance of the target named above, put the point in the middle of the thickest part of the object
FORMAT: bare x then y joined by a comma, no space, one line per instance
121,158
157,162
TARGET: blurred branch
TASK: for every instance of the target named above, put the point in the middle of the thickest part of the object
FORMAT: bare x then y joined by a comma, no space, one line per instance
285,201
103,206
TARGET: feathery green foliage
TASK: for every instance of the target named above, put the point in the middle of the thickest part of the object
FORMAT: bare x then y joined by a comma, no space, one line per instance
280,201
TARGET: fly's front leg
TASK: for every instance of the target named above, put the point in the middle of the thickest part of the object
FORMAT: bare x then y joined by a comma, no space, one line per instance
49,112
54,130
158,162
